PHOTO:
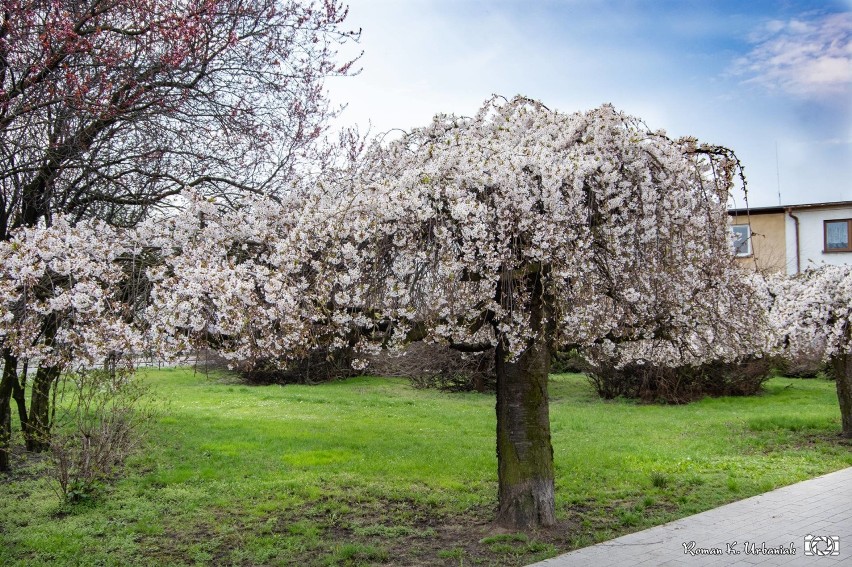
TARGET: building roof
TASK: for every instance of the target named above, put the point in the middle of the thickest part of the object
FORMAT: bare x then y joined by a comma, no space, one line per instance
785,208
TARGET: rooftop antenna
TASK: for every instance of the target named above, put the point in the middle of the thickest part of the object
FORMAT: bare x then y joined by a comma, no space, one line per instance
777,173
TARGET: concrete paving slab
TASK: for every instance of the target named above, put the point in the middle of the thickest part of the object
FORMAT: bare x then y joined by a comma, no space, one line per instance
808,523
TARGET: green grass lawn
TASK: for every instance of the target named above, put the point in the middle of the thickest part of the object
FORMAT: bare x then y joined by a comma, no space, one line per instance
370,471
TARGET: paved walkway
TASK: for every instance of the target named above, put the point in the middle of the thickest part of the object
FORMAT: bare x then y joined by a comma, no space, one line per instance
778,520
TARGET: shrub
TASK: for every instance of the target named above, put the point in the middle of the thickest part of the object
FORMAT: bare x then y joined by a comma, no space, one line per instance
683,384
431,365
101,420
570,361
320,365
807,362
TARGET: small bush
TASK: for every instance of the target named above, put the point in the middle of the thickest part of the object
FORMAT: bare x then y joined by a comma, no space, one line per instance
431,365
320,365
683,384
807,363
101,420
570,361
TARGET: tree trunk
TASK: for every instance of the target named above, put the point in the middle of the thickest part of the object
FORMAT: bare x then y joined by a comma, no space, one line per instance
10,367
843,377
524,451
37,434
18,394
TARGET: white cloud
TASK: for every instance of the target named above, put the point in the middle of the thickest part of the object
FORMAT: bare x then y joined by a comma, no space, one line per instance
809,58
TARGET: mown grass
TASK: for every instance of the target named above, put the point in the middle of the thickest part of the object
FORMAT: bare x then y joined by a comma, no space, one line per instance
371,471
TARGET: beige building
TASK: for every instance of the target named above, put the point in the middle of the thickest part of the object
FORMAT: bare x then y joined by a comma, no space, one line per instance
793,238
760,238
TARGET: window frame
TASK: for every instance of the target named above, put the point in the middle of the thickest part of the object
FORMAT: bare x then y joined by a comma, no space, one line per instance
747,241
825,247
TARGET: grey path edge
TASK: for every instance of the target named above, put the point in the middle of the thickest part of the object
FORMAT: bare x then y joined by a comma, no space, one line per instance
742,533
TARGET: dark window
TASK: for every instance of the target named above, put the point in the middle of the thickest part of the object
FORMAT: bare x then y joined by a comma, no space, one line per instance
837,235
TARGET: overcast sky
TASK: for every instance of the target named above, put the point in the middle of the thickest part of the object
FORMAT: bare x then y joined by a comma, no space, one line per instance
764,78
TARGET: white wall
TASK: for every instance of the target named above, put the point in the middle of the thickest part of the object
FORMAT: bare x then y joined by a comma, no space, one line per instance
811,238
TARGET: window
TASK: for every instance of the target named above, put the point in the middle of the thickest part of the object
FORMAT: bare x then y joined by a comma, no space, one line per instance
742,240
837,235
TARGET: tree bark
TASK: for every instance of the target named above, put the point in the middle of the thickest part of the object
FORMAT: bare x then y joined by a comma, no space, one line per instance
843,377
18,394
524,450
10,364
37,434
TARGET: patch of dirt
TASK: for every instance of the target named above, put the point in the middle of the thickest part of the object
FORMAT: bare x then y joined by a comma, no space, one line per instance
809,441
25,465
404,533
429,538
